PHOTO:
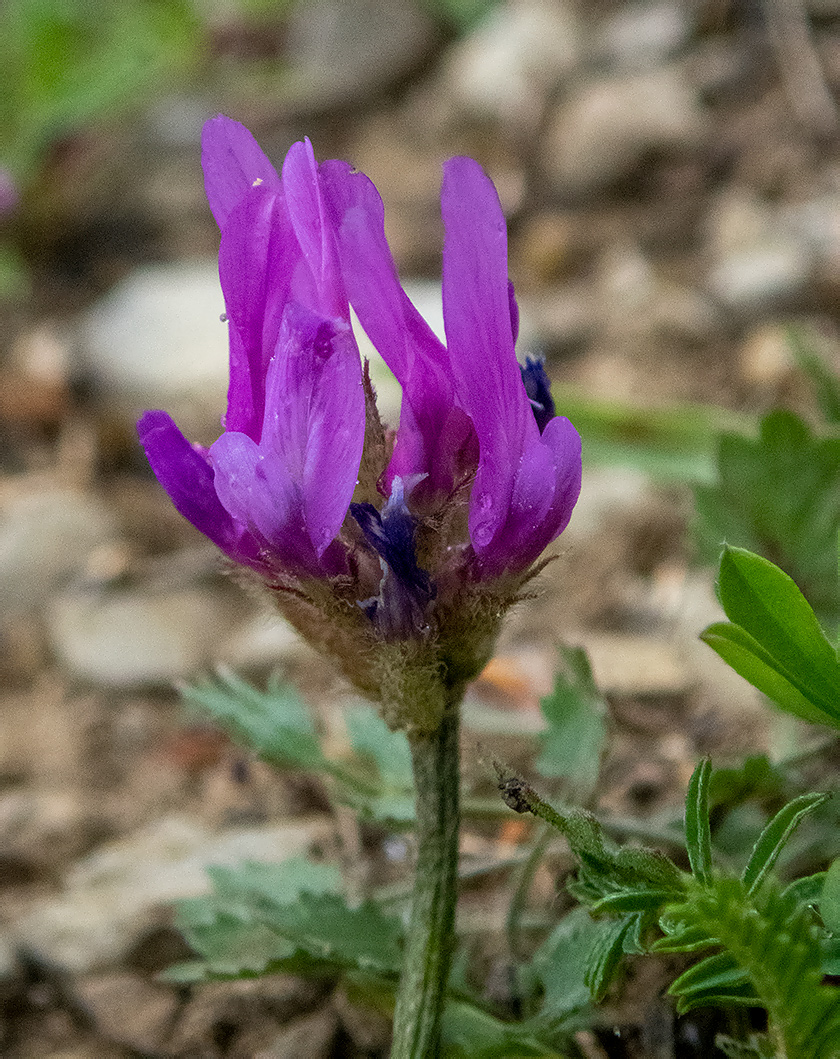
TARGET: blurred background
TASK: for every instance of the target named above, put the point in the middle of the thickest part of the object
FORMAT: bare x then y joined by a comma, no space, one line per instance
671,175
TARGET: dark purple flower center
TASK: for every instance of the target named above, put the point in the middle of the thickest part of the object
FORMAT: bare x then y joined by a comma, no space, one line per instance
538,389
405,590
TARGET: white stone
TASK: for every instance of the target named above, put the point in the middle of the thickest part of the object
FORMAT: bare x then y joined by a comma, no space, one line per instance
508,65
130,638
111,895
46,536
640,35
607,125
757,259
157,341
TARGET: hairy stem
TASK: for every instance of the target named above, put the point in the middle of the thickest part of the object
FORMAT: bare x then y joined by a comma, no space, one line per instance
430,940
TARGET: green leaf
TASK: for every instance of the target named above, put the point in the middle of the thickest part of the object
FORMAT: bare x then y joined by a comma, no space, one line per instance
779,495
575,712
264,918
768,605
772,839
830,898
775,640
275,722
562,965
698,836
803,345
749,659
371,738
605,954
626,901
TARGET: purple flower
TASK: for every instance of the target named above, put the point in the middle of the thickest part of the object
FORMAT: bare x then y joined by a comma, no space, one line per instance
466,408
274,490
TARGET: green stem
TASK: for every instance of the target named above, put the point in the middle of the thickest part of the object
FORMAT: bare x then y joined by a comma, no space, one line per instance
431,934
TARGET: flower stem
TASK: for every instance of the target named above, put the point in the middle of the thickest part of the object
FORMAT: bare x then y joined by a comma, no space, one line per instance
430,940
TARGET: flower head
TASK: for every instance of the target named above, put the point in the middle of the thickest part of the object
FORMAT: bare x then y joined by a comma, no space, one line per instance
274,490
399,554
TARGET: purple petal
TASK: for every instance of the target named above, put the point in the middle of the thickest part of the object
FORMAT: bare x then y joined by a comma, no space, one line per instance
433,430
479,331
295,486
545,490
185,473
259,261
315,416
314,233
232,161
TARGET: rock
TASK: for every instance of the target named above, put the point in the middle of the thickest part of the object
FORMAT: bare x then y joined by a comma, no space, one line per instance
262,1004
129,1010
607,126
636,302
341,52
156,341
46,536
636,665
757,260
112,896
506,68
128,638
265,640
766,359
641,35
311,1036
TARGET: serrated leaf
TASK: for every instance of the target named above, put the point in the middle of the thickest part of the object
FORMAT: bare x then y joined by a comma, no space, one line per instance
772,839
698,835
275,723
260,917
371,738
779,495
562,964
470,1033
575,712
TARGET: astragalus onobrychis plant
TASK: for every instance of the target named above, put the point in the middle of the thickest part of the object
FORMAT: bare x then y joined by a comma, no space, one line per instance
397,553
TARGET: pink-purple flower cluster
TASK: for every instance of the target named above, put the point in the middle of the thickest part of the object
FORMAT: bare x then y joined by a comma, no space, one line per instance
481,474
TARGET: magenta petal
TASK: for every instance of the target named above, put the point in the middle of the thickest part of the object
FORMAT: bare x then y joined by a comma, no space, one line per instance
315,416
185,473
311,227
294,487
479,329
259,264
232,161
545,489
434,432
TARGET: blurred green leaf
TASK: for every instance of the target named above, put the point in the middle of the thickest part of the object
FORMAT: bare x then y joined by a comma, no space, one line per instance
778,495
259,919
830,898
803,345
275,723
389,751
575,712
